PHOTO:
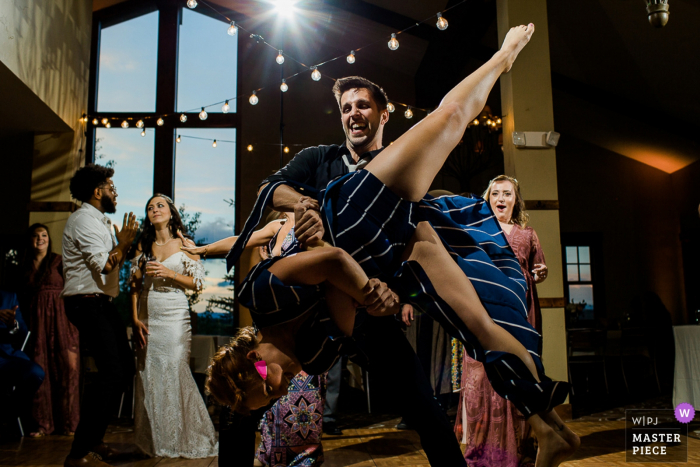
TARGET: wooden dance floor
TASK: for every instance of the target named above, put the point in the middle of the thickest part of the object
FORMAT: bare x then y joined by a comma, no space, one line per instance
372,446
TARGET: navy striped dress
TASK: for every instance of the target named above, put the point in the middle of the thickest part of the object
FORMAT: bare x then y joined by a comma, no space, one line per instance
366,219
319,342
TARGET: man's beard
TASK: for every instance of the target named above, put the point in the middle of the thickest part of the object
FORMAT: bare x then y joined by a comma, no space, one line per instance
108,205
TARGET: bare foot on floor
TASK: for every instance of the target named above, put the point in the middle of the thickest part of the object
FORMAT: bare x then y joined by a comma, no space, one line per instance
515,40
553,449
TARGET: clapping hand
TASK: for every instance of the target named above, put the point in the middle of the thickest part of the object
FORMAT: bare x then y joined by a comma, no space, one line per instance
130,228
539,273
8,316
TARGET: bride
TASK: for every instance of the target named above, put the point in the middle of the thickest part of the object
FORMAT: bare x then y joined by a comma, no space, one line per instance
171,416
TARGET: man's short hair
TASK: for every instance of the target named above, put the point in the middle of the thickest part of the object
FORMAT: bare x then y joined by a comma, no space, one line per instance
86,179
352,82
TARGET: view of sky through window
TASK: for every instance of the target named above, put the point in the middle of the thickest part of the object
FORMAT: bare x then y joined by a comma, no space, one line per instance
207,62
128,65
204,176
131,156
205,179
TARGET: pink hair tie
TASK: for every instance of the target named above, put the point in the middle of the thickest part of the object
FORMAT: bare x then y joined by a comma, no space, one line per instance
261,366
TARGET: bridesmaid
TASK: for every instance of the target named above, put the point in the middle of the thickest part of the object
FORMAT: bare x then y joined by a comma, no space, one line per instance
55,339
495,432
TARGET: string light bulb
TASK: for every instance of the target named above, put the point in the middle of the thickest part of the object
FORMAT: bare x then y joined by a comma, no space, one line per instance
95,121
213,144
250,148
283,86
476,121
441,22
408,113
143,132
233,29
280,58
225,108
390,107
139,124
178,139
253,99
286,149
394,42
105,121
203,114
125,124
351,57
183,118
191,4
108,125
499,121
160,121
488,122
315,75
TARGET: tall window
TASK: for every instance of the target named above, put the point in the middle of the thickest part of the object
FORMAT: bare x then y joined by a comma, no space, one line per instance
131,156
128,62
155,60
205,186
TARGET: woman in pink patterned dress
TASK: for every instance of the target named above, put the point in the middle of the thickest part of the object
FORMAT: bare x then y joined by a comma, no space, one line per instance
494,431
55,349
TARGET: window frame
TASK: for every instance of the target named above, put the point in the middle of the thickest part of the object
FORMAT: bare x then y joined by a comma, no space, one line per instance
594,242
169,19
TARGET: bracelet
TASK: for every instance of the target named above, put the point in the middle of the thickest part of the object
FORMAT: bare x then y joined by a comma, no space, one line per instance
175,276
206,250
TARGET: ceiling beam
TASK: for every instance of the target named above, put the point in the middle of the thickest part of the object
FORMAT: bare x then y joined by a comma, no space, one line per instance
382,16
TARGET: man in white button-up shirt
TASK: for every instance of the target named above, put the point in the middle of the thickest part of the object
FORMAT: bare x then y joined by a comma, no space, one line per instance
92,256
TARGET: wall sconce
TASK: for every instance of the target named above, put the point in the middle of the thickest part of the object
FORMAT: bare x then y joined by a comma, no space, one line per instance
535,139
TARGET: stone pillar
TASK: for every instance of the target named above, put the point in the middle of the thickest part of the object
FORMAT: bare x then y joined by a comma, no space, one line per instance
526,94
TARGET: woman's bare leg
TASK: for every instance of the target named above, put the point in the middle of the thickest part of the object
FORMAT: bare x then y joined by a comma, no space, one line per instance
409,166
454,287
331,265
341,308
556,440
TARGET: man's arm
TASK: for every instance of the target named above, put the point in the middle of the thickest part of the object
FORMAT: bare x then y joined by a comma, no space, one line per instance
302,168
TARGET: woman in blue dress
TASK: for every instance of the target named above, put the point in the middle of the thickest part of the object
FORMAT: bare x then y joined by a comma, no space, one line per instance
446,256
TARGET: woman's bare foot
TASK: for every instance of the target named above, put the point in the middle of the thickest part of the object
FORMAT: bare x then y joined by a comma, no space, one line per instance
553,421
553,450
515,40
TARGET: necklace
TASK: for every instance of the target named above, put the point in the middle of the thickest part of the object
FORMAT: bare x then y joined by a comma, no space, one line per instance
163,244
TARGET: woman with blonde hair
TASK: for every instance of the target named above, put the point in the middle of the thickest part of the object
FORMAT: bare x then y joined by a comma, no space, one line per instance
493,429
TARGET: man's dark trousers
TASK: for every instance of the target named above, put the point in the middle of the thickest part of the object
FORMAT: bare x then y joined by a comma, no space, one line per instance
103,333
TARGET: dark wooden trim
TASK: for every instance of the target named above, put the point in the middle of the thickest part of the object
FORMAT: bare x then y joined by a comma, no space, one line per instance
541,205
52,206
92,89
378,14
559,302
166,97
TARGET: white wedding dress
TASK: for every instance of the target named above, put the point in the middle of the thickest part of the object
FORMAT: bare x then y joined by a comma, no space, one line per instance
171,416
